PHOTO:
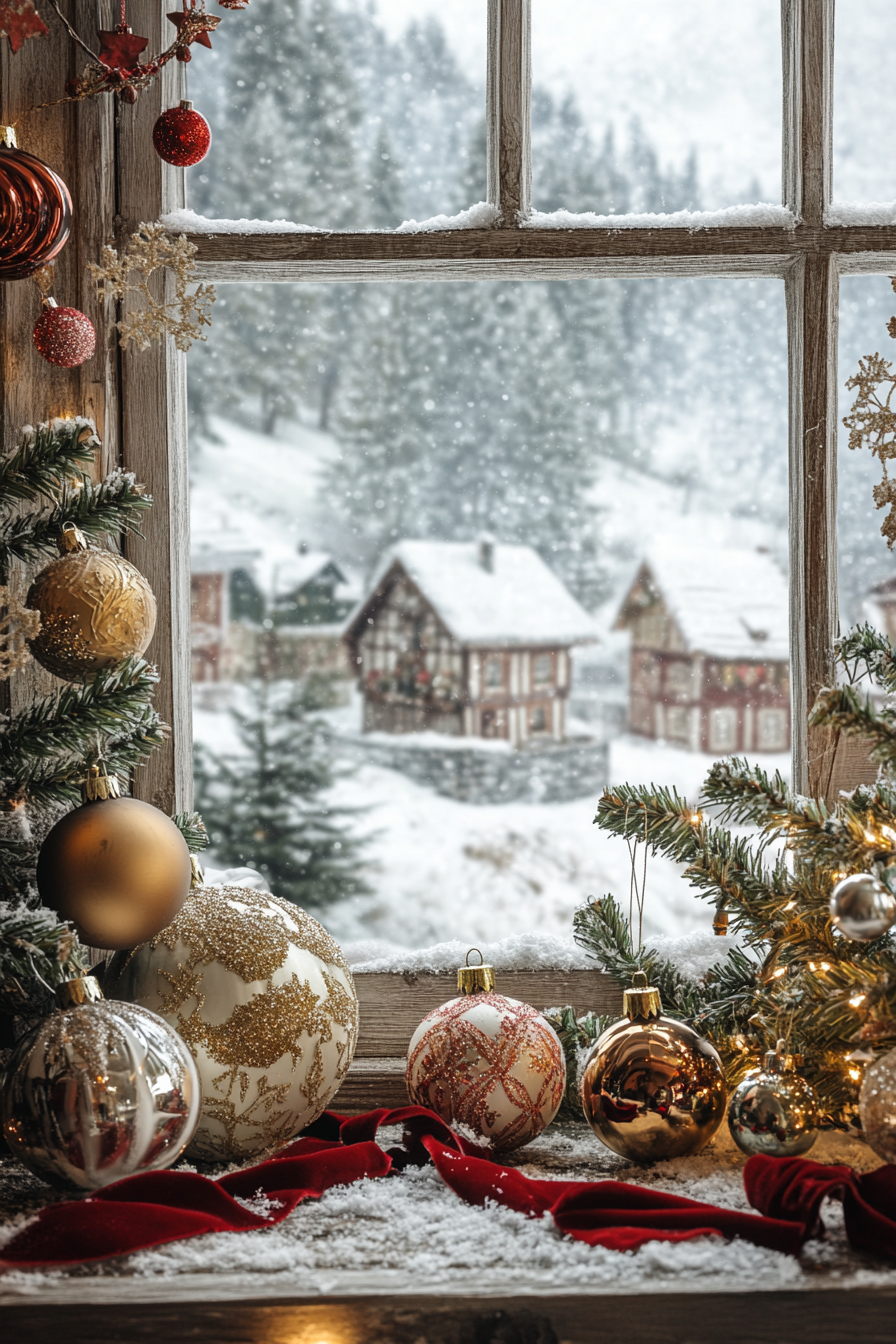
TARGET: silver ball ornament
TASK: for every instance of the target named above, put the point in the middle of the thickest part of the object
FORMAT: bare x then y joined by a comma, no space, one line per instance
877,1106
98,1091
773,1110
862,908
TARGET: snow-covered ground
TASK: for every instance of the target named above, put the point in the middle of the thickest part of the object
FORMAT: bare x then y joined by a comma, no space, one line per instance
443,870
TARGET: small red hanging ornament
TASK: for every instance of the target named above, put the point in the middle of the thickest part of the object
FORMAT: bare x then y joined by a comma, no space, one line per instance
64,336
35,211
182,136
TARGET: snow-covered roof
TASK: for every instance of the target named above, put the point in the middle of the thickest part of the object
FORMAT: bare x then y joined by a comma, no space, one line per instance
518,601
221,549
726,603
301,568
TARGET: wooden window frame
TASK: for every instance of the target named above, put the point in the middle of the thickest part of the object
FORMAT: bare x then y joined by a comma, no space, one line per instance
139,399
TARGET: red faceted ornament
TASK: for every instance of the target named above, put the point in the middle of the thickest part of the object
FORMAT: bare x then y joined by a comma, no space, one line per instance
35,211
181,136
64,336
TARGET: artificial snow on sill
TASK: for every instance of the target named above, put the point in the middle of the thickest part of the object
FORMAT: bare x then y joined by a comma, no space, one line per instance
479,216
844,214
520,952
693,954
413,1231
187,221
732,217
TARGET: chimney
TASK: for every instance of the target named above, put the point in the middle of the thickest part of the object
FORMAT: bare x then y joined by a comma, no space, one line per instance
486,552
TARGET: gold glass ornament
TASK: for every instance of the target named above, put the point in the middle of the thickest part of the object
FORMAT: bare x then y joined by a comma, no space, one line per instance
118,868
264,998
773,1110
95,608
652,1088
488,1062
98,1091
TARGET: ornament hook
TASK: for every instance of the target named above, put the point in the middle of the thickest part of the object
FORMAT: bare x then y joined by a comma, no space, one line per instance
475,979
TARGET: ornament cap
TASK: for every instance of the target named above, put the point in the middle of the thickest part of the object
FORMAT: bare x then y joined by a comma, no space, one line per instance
83,989
475,979
780,1060
197,876
642,1000
186,105
71,539
98,785
720,923
8,137
48,303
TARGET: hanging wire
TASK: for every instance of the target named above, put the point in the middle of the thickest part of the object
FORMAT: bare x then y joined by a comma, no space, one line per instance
636,892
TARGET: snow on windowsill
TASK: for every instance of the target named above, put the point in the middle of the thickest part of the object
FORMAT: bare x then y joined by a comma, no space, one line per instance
479,216
846,214
732,217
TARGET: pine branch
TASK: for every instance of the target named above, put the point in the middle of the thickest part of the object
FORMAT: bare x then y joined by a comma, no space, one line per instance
865,651
46,458
111,507
745,795
855,716
192,828
34,946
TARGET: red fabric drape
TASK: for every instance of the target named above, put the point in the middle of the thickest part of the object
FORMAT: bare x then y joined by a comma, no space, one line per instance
153,1208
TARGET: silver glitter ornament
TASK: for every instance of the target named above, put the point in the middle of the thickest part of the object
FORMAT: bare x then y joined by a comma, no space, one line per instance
877,1106
773,1110
99,1090
862,908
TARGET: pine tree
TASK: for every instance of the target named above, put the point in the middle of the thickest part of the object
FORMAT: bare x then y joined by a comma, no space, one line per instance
832,998
266,805
47,744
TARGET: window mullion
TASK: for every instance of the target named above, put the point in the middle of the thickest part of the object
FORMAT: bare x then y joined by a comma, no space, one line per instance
508,100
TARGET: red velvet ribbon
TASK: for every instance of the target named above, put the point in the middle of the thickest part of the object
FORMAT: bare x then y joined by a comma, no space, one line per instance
157,1207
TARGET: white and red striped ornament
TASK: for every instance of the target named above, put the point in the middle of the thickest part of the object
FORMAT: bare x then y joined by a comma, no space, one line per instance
489,1063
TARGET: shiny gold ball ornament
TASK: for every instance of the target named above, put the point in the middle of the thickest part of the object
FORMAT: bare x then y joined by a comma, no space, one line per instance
98,1091
877,1106
773,1110
118,868
862,908
95,608
264,998
652,1088
488,1062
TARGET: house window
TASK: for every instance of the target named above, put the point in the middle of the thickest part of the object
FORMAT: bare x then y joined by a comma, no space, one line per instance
538,719
771,730
542,669
678,678
677,723
494,672
723,729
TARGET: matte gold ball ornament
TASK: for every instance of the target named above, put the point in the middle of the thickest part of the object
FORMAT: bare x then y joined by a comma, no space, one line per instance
652,1088
96,610
264,999
117,868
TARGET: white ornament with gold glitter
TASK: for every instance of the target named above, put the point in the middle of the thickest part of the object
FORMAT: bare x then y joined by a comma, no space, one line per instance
264,999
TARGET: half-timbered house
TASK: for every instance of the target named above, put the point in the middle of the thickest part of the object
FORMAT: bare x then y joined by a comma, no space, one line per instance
709,650
470,639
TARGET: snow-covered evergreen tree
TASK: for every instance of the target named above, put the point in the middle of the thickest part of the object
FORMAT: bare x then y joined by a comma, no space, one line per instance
267,805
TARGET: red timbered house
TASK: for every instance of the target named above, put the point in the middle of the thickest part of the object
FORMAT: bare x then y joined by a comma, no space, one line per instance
220,649
709,650
470,639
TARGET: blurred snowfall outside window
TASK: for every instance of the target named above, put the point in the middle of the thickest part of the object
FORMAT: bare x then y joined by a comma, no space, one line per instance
867,568
655,106
444,513
864,106
343,114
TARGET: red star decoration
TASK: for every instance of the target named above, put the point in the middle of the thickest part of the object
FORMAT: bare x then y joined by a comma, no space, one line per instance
209,24
19,21
120,50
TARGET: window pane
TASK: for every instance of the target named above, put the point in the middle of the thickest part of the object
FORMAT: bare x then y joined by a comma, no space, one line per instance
864,107
656,106
867,567
342,115
465,553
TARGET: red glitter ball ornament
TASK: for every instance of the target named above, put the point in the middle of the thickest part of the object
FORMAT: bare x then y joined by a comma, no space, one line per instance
64,336
182,136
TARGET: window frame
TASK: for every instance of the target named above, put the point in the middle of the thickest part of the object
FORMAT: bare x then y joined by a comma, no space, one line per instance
138,400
